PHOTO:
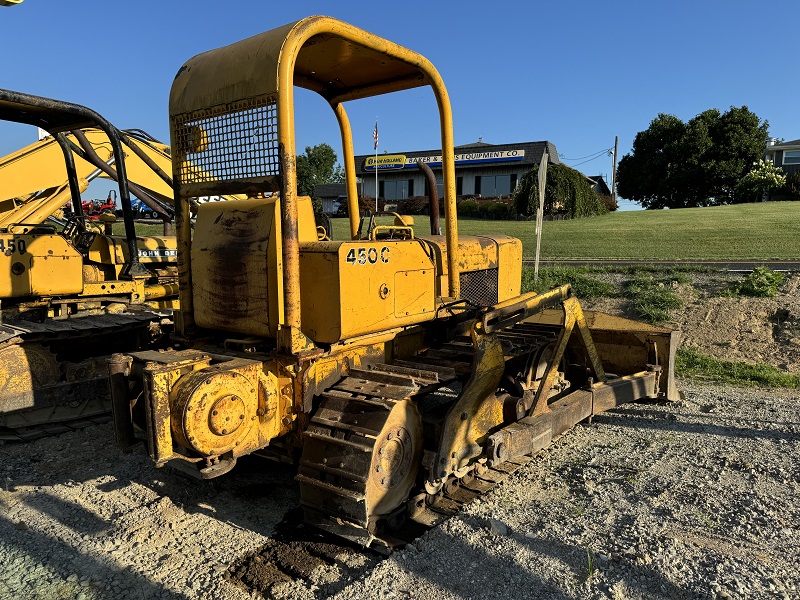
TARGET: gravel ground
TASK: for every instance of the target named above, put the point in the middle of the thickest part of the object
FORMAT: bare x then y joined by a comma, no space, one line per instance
694,499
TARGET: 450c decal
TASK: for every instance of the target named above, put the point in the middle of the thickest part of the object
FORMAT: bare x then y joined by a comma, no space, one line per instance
371,255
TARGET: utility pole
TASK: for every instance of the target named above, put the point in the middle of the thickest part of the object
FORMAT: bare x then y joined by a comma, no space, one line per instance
375,137
614,173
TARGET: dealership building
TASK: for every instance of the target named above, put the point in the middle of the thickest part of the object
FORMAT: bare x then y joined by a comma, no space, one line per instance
486,170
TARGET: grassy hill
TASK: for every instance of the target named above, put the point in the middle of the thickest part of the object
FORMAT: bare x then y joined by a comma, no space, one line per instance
766,230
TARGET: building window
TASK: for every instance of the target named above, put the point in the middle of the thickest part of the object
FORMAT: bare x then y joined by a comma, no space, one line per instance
494,185
394,190
791,157
439,187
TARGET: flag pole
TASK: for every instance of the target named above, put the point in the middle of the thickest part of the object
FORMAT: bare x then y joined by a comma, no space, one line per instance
375,135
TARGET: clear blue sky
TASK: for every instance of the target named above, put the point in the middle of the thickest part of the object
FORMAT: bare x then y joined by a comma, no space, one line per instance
576,72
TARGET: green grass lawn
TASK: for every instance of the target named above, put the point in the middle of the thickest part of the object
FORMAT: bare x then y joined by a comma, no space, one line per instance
760,231
768,230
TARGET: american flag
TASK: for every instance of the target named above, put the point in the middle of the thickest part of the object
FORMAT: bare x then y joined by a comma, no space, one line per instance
375,135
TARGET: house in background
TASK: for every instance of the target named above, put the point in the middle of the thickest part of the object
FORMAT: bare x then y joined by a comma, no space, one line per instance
599,185
482,170
785,155
330,194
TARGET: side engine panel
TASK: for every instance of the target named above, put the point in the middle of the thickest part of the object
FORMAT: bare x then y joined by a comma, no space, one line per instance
360,287
39,265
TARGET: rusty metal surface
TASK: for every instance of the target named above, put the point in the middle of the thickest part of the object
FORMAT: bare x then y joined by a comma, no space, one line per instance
374,426
630,388
207,409
49,395
289,243
433,197
506,314
362,452
223,83
235,249
118,372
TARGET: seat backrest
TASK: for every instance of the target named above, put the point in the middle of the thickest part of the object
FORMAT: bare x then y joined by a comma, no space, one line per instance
236,274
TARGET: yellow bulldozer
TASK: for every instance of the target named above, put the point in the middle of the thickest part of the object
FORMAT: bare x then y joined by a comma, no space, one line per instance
391,365
72,292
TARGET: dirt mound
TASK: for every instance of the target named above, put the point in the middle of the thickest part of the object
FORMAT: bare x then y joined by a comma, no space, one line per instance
736,328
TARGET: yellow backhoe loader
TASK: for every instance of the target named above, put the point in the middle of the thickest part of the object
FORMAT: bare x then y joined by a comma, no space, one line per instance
34,184
71,294
396,366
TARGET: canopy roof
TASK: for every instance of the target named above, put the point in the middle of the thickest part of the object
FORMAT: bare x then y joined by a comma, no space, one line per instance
337,60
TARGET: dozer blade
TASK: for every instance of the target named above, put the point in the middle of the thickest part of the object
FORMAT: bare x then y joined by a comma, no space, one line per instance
625,346
593,363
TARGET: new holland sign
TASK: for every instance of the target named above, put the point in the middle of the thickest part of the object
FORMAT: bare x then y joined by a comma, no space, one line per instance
385,162
388,162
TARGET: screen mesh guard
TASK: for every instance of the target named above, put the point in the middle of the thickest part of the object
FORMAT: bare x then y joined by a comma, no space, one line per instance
227,149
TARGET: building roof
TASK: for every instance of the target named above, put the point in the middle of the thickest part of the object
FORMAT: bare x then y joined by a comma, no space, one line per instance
478,144
533,154
785,145
330,190
600,184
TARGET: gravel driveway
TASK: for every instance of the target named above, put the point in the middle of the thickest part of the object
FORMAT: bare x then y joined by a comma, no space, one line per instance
695,499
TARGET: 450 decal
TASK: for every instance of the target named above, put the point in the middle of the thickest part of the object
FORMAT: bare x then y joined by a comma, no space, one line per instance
371,255
13,245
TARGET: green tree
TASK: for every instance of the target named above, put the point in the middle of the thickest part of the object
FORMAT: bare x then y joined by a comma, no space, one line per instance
698,163
763,178
315,166
566,192
642,175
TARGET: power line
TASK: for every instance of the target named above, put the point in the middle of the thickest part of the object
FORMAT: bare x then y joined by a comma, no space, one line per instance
591,159
594,154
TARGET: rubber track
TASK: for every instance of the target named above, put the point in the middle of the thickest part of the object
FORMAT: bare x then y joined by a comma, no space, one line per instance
35,433
334,495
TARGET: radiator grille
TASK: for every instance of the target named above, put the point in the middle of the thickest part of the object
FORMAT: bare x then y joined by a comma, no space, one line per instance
479,287
234,142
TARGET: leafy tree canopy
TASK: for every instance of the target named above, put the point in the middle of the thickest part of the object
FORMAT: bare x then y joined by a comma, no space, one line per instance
698,163
566,192
315,166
